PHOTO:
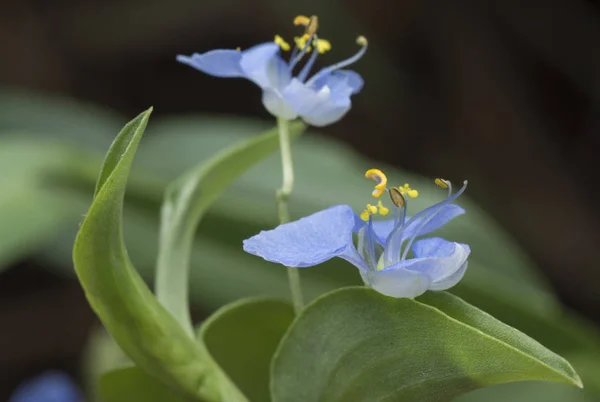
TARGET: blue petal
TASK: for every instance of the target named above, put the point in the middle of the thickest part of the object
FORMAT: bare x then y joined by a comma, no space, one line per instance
382,230
220,62
398,282
341,81
277,106
327,114
316,108
451,280
262,65
438,258
49,387
448,212
445,215
433,247
354,79
310,240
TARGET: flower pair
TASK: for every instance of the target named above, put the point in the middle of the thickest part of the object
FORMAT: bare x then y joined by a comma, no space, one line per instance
319,100
382,248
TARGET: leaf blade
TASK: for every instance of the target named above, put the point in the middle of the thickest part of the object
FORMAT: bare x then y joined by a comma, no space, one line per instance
145,331
242,338
375,348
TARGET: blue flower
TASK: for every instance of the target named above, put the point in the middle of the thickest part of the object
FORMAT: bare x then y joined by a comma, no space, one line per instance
382,248
320,100
52,386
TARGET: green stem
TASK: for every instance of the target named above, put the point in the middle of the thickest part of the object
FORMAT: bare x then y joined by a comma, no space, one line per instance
283,195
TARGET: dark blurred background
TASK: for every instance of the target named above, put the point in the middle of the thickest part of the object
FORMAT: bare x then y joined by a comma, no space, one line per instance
504,93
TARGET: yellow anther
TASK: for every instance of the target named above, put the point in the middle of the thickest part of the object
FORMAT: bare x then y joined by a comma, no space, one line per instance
397,197
301,42
380,178
382,210
406,190
238,48
312,26
369,210
282,43
362,41
442,183
302,20
322,45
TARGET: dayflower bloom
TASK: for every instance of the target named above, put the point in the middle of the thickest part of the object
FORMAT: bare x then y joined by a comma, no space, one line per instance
382,248
319,100
52,386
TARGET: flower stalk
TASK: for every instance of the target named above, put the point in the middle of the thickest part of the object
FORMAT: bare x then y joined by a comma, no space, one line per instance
282,196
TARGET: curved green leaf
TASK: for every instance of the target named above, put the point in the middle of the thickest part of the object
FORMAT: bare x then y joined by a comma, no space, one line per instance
242,338
186,201
141,326
527,391
357,345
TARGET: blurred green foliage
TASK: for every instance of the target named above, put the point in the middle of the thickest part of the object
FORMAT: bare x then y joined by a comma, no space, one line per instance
51,154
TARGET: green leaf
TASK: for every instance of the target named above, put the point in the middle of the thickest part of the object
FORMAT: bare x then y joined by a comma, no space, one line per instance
499,279
133,384
242,338
186,201
528,391
357,345
140,325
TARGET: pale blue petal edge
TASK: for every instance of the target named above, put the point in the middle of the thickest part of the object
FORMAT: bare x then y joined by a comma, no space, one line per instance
439,265
445,215
451,280
219,63
383,228
398,282
438,258
310,240
262,65
277,105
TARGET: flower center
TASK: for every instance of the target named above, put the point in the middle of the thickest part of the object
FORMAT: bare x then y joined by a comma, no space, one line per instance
369,246
305,44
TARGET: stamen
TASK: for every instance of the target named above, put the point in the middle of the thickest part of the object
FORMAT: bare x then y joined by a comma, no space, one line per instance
394,243
312,26
322,45
378,176
301,20
406,190
397,197
306,69
435,209
368,211
282,43
382,209
362,41
299,57
366,245
301,42
443,183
